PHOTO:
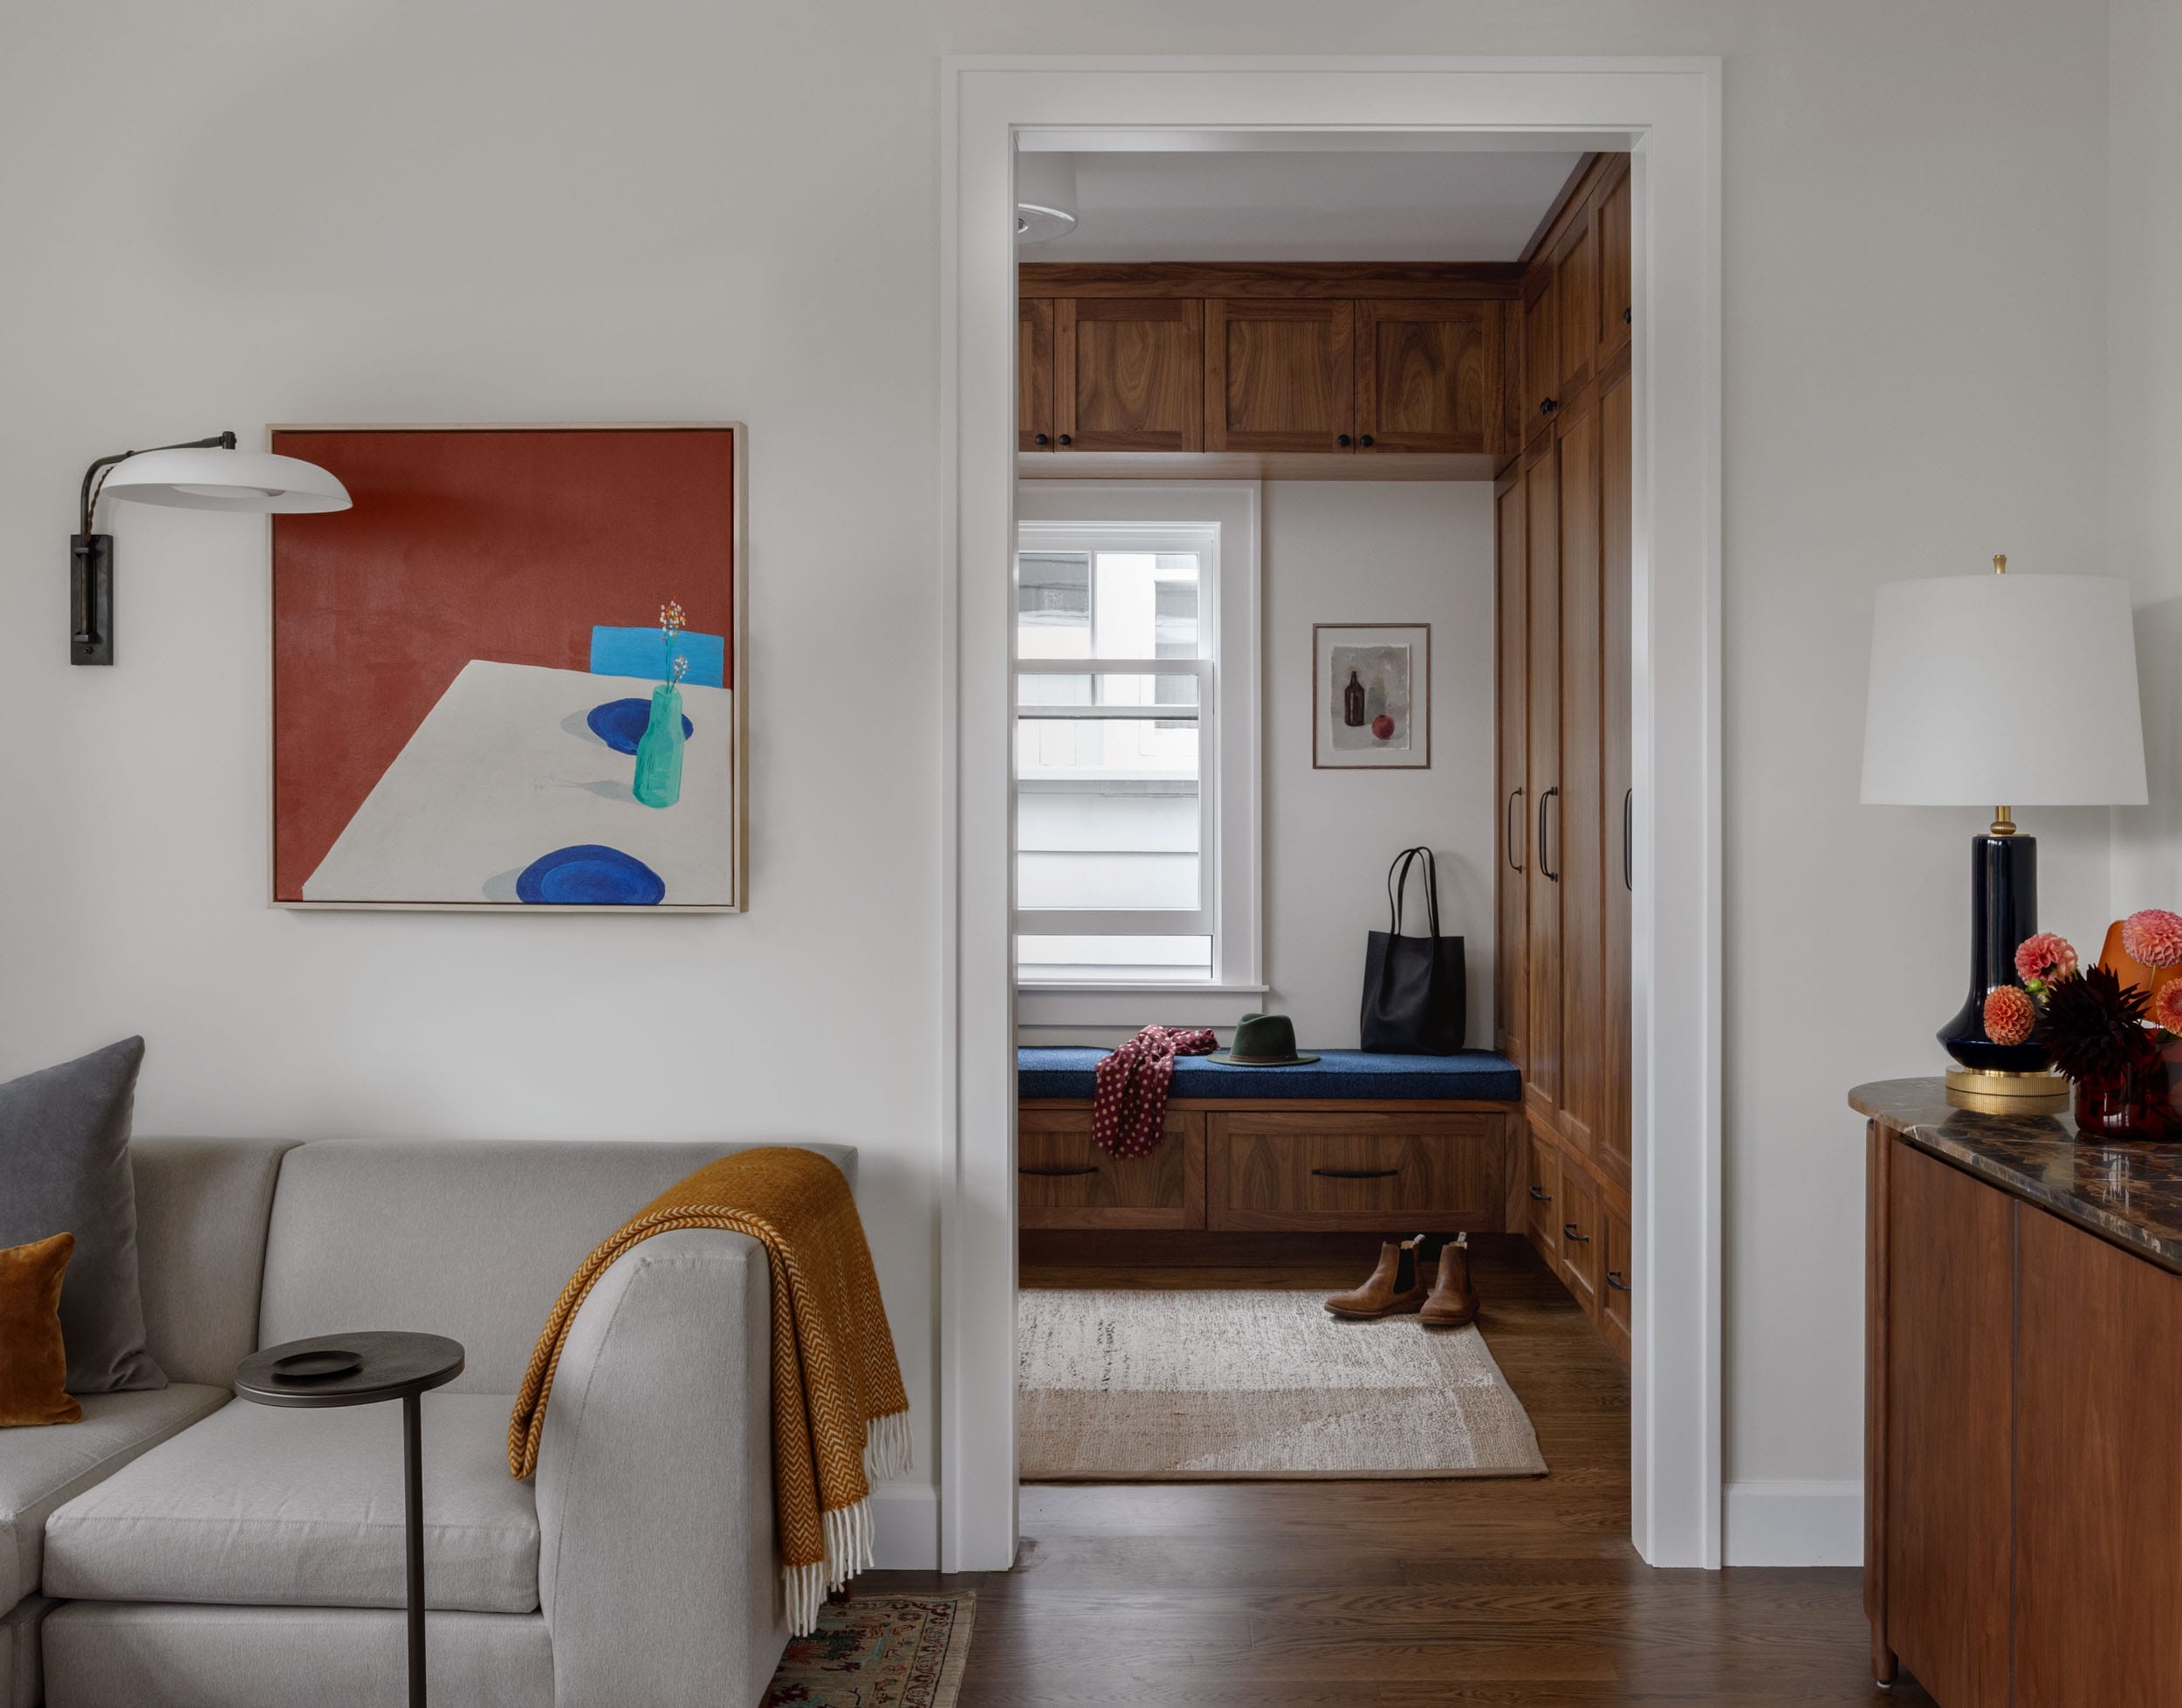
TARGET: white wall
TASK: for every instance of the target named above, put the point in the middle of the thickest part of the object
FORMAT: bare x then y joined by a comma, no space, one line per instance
1379,551
457,211
2144,403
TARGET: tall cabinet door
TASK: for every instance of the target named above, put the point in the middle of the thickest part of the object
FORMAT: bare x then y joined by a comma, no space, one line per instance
1611,218
1128,373
1542,358
1511,990
1611,1138
1541,764
1278,376
1579,841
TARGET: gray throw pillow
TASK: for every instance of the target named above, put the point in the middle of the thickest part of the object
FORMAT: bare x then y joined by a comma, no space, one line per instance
64,1168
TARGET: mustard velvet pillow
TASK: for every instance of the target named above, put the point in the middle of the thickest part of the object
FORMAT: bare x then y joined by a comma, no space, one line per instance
33,1357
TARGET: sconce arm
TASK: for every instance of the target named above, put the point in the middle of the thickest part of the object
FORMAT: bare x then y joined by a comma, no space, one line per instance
219,442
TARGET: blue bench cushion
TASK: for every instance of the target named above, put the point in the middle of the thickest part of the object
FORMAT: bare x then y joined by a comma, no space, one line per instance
1473,1076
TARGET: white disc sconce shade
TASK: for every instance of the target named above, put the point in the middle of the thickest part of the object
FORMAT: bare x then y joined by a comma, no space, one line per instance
211,478
1045,196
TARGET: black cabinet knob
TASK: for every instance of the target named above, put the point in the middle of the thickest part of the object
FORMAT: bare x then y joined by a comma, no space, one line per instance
1628,316
1545,406
1343,440
1066,440
1365,440
1041,438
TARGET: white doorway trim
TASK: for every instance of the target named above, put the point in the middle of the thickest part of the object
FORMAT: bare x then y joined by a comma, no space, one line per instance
1668,112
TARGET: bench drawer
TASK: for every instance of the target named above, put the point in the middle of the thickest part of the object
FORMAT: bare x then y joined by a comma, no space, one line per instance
1063,1180
1391,1173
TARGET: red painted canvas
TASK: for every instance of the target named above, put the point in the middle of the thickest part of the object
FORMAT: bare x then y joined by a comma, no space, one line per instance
509,676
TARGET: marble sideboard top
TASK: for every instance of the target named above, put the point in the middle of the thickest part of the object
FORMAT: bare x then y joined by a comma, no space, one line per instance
2129,1193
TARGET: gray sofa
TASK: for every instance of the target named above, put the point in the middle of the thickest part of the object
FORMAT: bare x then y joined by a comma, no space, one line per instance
184,1548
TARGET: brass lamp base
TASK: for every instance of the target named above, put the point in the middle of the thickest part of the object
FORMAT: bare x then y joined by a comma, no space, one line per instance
1988,1091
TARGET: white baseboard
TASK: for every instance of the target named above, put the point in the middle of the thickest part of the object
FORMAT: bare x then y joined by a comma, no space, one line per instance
907,1518
1795,1524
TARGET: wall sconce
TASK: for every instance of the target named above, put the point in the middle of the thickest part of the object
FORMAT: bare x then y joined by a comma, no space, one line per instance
204,474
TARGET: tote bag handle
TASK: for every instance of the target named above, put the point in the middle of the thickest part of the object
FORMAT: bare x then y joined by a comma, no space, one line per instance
1398,891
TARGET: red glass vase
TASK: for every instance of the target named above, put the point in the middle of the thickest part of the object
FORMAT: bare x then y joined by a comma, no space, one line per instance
2138,1103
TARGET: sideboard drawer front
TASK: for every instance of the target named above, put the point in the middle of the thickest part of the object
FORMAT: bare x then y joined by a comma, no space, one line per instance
1364,1173
1063,1179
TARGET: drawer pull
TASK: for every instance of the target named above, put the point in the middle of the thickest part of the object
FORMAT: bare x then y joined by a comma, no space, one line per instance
1058,1173
1568,1231
1541,1195
1614,1280
1356,1174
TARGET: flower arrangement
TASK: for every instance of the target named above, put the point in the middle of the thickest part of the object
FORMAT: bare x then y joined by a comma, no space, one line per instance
671,623
2113,1037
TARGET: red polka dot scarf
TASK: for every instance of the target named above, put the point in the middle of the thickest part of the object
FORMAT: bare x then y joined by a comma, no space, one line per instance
1129,1106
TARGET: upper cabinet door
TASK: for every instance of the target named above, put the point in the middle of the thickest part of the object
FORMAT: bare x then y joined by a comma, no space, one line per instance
1541,354
1576,284
1429,377
1128,373
1278,376
1612,220
1034,373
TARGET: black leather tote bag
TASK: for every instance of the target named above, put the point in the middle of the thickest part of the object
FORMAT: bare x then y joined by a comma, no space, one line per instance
1413,986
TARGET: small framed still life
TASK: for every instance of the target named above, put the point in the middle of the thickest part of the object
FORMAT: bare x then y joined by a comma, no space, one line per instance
512,678
1371,694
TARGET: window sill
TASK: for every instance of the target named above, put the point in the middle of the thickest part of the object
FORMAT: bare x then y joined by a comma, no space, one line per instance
1178,987
1069,1013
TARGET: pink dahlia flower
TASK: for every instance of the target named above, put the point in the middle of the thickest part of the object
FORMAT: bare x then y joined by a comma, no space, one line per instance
2153,937
2045,957
2010,1014
2167,1007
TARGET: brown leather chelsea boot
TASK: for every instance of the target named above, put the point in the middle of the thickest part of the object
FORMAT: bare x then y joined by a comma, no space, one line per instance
1454,1301
1393,1288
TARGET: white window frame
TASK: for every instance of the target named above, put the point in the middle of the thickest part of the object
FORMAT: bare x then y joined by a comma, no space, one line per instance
1147,516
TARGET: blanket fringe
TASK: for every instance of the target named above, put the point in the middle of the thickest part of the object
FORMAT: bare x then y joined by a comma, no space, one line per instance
851,1531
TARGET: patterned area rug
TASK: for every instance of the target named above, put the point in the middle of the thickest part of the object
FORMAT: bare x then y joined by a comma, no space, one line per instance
878,1651
1142,1386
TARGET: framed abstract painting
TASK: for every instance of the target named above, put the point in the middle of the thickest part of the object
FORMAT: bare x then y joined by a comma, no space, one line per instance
1371,697
513,677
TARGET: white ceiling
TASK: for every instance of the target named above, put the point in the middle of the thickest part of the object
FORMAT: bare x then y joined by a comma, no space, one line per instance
1281,197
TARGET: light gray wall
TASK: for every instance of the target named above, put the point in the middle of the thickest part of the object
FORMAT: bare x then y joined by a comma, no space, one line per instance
1376,552
451,211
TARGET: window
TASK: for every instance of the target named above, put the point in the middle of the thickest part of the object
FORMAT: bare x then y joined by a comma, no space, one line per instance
1122,692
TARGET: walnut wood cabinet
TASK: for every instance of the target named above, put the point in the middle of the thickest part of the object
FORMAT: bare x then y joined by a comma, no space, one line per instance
1128,374
1427,376
1278,376
2023,1430
1562,514
1063,1180
1034,371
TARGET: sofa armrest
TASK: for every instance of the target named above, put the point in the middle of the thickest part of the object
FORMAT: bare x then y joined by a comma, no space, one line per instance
657,1569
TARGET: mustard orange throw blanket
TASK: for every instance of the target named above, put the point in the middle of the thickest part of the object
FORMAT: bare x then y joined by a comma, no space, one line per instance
840,1416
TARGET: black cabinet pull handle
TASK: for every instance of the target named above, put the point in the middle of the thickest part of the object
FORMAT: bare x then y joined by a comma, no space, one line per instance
1552,876
1058,1173
1614,1280
1344,442
1365,441
1542,1195
1547,405
1039,438
1066,440
1509,820
1629,825
1628,318
1568,1231
1356,1174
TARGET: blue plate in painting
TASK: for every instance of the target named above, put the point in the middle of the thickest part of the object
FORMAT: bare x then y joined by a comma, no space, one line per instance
590,875
621,724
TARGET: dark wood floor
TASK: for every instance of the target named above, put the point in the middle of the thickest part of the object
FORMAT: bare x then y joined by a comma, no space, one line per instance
1346,1595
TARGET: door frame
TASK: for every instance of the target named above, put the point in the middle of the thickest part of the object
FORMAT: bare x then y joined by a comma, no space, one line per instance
1667,112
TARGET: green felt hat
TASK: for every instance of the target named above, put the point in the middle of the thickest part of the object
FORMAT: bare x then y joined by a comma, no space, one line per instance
1262,1040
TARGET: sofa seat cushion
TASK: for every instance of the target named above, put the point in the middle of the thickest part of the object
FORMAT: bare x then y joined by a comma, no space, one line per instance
261,1505
43,1467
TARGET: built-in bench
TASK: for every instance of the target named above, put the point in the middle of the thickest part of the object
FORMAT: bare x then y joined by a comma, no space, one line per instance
1348,1144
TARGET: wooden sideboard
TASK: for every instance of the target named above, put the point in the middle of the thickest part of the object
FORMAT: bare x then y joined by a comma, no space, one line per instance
2022,1406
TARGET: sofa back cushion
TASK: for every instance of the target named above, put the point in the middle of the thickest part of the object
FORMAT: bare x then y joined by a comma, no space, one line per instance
202,1207
470,1238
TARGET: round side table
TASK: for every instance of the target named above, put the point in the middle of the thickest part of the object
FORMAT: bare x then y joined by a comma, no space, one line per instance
363,1368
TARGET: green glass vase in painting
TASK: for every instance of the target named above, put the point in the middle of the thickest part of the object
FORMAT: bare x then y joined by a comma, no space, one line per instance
659,753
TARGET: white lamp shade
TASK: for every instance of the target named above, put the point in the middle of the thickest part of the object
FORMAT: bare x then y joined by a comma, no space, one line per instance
210,478
2004,690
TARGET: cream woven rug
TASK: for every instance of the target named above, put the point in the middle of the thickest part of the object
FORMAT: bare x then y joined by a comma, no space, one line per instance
1142,1386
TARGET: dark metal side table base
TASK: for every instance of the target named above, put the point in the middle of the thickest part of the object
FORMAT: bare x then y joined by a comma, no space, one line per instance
364,1368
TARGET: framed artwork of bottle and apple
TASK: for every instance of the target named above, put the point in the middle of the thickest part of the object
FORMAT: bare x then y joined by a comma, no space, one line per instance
1371,692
